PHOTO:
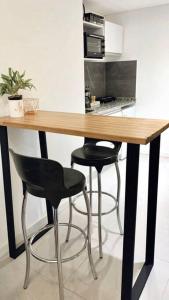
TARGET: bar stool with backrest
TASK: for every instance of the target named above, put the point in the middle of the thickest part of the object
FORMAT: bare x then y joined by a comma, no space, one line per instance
94,155
47,179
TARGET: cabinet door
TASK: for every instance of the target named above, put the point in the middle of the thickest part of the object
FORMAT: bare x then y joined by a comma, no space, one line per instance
113,38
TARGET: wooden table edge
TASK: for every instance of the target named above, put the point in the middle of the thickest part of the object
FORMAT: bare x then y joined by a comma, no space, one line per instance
5,121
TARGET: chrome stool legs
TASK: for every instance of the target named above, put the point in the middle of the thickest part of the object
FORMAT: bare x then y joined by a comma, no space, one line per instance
99,207
89,234
70,220
58,255
118,197
26,240
99,196
99,214
90,186
88,229
28,253
58,259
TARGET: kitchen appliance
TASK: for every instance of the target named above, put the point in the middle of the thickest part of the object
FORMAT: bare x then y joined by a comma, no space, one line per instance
93,18
94,45
106,99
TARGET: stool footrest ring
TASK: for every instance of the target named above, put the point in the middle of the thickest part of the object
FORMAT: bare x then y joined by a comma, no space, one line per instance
54,260
96,214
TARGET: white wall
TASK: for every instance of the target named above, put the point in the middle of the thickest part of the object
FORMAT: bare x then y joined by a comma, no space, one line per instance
146,33
45,39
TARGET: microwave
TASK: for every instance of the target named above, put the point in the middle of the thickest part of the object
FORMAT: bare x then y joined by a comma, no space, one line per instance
94,46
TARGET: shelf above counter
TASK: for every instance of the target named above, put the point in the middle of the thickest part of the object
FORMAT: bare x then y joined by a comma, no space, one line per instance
92,25
95,59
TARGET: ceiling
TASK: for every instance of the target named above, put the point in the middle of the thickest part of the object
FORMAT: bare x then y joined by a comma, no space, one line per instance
107,7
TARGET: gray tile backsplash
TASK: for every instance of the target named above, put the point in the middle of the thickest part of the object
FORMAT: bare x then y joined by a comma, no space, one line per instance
95,78
112,78
121,78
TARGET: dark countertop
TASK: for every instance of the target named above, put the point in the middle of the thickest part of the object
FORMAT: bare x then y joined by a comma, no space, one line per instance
113,106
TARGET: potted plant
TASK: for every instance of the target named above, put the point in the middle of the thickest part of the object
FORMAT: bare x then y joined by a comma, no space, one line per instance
11,85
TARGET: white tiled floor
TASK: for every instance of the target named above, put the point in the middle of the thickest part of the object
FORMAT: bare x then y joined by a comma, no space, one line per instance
78,280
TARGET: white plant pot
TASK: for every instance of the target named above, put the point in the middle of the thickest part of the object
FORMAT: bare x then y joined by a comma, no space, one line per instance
16,109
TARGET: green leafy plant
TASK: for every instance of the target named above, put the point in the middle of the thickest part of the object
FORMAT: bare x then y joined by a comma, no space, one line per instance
13,82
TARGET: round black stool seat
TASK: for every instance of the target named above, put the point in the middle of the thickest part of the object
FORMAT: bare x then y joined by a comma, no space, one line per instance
74,182
94,156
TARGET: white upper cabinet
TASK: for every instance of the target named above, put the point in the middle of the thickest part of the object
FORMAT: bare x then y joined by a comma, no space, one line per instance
113,38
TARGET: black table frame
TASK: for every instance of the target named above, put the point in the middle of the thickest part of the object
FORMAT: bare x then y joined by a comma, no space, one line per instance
128,291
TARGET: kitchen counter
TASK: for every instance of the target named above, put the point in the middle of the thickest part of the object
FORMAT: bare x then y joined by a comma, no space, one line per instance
113,106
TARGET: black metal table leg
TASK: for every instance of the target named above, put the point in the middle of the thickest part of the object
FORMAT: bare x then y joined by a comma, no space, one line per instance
129,293
152,200
44,154
130,220
8,191
151,219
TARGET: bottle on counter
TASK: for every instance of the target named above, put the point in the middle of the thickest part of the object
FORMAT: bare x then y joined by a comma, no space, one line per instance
93,99
87,97
94,103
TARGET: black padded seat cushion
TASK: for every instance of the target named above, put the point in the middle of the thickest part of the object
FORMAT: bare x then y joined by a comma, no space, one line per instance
93,155
74,182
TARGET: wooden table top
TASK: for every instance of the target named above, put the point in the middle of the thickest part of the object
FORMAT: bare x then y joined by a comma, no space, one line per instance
130,130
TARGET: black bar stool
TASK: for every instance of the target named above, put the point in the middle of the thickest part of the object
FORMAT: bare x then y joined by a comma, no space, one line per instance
47,179
94,155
